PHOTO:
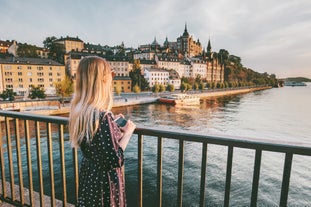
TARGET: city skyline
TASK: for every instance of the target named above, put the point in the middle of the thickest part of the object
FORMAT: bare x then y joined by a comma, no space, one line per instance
269,36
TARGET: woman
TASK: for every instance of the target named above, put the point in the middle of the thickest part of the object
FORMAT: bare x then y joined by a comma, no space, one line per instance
102,142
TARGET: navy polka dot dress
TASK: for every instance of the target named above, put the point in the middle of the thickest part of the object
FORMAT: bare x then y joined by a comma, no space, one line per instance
101,181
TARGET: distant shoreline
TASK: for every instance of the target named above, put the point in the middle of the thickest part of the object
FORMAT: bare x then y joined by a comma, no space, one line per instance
150,98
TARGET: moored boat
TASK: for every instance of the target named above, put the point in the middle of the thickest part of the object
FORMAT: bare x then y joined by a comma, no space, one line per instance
292,83
185,99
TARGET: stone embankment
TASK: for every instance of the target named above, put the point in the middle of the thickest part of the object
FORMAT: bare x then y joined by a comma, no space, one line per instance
55,108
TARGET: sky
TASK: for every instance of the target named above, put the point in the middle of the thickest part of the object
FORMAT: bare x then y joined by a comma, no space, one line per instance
272,36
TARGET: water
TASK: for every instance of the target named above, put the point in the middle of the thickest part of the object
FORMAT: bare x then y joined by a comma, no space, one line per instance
281,114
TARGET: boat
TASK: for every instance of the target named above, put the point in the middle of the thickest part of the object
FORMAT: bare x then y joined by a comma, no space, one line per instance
185,99
292,83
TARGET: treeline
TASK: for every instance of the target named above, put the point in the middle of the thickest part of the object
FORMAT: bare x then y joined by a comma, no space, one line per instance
235,74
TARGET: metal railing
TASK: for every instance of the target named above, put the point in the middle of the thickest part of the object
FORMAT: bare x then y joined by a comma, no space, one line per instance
32,129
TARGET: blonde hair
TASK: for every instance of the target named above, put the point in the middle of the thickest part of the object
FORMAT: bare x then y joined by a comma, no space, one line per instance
93,94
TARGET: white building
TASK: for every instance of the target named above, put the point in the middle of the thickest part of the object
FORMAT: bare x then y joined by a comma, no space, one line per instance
156,76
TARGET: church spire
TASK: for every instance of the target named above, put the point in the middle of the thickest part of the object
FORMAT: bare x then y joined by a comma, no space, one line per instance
209,47
186,34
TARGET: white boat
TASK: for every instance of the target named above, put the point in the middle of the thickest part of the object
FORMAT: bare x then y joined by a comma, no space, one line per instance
185,99
292,83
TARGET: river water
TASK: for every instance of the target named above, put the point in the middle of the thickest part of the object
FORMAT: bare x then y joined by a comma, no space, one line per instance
278,114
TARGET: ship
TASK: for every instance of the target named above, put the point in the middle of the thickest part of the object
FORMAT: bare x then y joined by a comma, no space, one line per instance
185,99
293,83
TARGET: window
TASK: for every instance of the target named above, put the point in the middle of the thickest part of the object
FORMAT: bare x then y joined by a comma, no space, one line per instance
51,79
30,79
20,73
19,67
50,74
29,67
20,80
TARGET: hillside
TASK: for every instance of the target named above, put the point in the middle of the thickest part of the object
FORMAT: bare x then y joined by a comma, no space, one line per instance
298,79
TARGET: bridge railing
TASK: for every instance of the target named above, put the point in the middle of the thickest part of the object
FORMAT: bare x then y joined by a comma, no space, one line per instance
34,149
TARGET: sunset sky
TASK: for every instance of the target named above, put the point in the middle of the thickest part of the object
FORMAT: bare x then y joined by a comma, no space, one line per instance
272,36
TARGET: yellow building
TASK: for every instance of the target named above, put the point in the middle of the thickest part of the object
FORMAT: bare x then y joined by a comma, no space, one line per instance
122,84
71,43
20,74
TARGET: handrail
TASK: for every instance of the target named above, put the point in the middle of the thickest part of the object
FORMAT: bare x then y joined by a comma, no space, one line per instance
13,134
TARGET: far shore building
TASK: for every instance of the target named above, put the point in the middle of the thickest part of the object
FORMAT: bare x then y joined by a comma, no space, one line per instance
187,46
156,76
71,43
20,74
4,46
122,84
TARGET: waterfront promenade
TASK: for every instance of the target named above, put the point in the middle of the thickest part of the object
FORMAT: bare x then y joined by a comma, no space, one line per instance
128,99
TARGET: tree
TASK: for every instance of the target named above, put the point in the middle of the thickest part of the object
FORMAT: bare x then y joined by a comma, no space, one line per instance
36,92
56,50
162,88
156,88
137,77
136,89
8,94
25,50
170,88
64,88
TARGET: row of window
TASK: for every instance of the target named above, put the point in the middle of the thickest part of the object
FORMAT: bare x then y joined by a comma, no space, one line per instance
122,82
40,74
8,67
20,80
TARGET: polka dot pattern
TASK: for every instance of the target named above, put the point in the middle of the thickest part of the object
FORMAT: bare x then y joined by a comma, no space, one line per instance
101,181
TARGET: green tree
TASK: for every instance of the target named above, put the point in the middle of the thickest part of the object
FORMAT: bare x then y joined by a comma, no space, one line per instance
36,92
25,50
56,50
8,94
136,89
156,88
137,78
162,88
170,88
183,86
64,88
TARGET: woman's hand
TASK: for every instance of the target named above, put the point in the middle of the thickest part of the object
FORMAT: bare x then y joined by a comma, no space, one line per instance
127,130
129,127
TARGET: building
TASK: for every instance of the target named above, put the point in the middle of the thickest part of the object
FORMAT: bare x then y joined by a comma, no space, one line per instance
187,46
120,65
122,84
20,74
156,76
4,46
71,43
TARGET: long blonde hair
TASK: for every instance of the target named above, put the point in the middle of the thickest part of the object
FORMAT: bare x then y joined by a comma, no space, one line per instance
93,94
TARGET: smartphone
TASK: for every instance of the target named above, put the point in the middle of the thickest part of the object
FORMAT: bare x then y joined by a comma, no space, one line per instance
120,121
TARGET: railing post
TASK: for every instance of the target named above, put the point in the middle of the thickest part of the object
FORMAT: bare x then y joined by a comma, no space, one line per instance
228,176
3,180
50,156
10,157
159,171
286,178
203,174
180,172
39,162
256,178
140,170
29,162
19,161
62,158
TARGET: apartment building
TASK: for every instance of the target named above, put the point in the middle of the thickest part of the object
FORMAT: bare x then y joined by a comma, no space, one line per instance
20,74
71,43
156,76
